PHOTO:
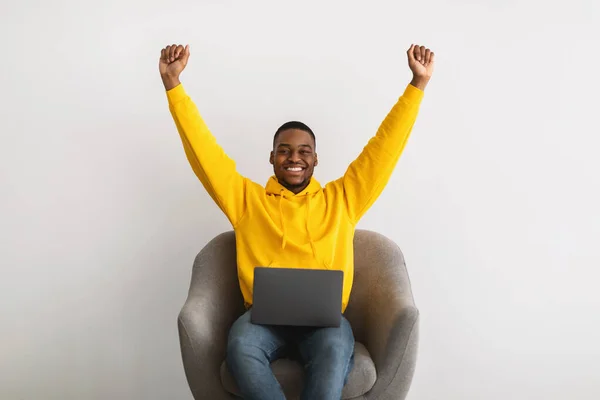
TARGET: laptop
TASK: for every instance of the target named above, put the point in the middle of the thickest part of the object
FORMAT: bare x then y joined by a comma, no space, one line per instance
297,297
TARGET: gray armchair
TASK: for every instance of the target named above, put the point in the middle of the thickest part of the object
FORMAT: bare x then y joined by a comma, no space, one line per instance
381,311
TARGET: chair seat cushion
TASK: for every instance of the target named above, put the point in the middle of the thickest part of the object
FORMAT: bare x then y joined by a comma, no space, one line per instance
290,375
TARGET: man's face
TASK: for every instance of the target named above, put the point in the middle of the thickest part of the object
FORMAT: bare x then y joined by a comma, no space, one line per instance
294,158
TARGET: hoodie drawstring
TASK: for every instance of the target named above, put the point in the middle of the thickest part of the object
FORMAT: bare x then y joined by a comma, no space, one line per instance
283,229
312,244
283,236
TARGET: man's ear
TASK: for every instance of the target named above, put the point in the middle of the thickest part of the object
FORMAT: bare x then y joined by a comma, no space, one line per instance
272,159
316,160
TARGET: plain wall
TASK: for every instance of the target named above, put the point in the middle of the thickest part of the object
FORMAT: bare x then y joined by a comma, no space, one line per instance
495,201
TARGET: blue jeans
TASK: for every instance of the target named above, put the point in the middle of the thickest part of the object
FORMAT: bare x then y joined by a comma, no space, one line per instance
326,353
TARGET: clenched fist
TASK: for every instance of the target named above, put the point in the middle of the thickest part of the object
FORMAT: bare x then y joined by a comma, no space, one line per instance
173,60
421,61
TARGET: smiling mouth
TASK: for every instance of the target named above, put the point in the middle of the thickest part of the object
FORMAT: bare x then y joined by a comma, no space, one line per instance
294,169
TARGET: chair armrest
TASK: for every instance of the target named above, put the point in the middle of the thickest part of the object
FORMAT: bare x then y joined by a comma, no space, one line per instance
388,315
392,340
214,302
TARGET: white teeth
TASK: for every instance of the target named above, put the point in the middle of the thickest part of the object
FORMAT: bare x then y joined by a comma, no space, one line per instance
296,169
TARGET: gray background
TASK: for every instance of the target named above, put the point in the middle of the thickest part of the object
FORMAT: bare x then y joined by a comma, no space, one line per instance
495,201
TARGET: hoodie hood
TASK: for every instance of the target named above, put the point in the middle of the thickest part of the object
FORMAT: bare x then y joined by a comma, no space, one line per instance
274,188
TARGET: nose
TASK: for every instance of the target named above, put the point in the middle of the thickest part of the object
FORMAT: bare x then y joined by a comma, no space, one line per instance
294,157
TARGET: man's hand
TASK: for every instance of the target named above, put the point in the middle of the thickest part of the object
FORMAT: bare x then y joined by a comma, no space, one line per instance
421,61
173,60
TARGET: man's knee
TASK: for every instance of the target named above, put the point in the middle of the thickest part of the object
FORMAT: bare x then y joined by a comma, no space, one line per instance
248,341
240,352
335,348
336,343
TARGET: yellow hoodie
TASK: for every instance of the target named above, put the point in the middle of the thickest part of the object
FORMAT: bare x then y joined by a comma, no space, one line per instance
277,228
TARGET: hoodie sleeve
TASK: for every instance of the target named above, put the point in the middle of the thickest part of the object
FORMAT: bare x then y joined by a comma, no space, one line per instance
212,166
367,176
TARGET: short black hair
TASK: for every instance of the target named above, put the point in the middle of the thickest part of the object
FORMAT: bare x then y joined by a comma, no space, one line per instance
294,125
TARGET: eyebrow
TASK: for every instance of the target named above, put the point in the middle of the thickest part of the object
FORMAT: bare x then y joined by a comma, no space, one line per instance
289,145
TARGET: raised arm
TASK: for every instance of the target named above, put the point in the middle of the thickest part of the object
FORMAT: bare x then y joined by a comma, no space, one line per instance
367,176
212,166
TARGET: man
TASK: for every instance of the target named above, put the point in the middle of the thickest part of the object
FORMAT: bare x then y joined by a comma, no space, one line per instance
293,222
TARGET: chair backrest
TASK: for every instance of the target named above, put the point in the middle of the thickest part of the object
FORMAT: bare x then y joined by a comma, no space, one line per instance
379,272
378,267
